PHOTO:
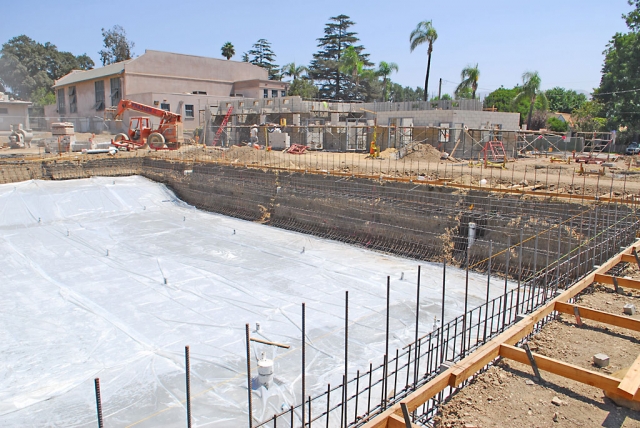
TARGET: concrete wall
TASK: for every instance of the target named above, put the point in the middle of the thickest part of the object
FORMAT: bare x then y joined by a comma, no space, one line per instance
17,112
471,119
255,88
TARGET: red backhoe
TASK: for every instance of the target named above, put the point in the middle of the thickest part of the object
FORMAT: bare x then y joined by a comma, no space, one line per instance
167,136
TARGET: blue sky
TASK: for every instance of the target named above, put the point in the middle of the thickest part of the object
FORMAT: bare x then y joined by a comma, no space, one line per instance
563,40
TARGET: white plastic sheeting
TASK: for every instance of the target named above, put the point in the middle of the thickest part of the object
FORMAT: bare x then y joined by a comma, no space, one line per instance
112,277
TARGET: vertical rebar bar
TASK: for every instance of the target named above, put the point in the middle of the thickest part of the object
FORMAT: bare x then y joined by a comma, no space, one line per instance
248,338
519,270
304,363
466,305
99,402
506,280
346,352
486,310
187,369
444,286
386,344
415,359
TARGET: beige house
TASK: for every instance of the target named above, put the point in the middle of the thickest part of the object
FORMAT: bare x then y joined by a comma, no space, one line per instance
184,84
13,112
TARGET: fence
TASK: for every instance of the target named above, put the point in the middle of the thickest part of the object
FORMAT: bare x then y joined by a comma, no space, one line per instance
356,401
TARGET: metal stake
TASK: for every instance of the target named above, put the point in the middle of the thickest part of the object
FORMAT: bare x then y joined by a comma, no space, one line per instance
99,403
249,375
187,369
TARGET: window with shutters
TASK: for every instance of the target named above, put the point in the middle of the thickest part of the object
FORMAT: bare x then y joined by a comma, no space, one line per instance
188,111
165,106
99,89
73,100
116,95
61,105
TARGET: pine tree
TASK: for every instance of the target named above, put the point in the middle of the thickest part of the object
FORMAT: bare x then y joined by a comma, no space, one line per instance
264,57
325,66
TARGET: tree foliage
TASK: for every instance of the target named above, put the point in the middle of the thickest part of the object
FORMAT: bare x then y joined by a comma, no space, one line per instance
384,70
228,50
556,125
262,55
28,68
531,91
564,100
619,92
116,46
303,88
325,68
588,118
293,70
469,84
398,93
424,33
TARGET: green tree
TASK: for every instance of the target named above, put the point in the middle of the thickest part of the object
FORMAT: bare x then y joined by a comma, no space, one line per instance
326,63
424,33
27,66
384,70
399,93
556,125
588,118
291,70
245,57
228,50
563,100
531,90
469,76
618,91
303,88
116,46
264,57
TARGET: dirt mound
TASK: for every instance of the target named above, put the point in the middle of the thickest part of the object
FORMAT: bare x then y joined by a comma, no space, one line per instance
423,151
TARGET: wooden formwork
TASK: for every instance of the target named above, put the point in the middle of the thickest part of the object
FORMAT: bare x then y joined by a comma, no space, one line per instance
504,346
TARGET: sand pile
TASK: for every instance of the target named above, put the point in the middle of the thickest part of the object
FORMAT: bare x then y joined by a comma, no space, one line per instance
423,151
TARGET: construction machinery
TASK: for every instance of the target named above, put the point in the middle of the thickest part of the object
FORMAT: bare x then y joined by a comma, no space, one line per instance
167,136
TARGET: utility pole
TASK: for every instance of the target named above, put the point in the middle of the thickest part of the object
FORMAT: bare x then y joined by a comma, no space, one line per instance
440,90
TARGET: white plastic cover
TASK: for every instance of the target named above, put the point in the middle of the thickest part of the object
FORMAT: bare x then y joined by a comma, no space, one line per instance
112,277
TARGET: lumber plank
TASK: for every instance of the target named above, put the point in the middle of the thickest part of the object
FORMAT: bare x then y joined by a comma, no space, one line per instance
628,258
501,343
397,421
622,282
631,381
570,371
600,316
422,395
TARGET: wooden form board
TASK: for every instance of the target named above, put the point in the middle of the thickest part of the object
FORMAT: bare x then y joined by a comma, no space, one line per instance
502,345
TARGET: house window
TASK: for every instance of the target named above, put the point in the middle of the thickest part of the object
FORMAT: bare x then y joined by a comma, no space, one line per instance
165,106
265,93
116,95
99,89
61,107
274,93
188,110
4,110
283,93
73,100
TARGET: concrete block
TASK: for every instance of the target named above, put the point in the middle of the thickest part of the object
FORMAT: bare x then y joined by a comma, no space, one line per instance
629,309
601,360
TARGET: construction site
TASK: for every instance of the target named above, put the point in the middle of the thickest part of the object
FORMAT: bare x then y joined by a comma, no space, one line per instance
315,264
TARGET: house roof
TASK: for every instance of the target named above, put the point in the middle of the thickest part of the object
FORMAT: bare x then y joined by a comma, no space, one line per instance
566,117
83,75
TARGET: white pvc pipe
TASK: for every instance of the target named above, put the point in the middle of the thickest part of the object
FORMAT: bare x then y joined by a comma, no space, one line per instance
472,234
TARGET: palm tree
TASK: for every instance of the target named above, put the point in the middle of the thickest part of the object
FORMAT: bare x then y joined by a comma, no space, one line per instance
531,90
469,75
292,71
228,50
350,63
385,69
424,33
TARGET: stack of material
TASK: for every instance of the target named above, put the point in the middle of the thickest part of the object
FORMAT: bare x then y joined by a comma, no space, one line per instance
63,137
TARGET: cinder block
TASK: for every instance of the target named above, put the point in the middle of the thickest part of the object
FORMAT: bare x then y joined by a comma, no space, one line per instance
629,309
601,360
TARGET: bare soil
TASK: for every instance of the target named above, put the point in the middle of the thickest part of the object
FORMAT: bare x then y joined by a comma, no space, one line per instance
509,395
621,178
